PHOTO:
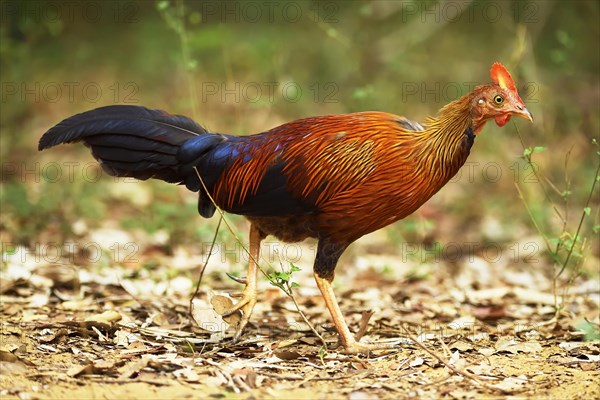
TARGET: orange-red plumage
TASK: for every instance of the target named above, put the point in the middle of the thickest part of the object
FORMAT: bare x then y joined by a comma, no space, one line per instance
334,178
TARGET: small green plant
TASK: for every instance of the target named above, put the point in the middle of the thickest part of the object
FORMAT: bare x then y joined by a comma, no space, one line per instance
322,353
283,279
568,247
591,330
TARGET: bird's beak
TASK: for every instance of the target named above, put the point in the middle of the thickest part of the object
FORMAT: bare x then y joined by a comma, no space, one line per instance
523,113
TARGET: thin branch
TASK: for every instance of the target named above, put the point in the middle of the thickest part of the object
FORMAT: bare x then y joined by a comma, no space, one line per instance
229,227
532,218
304,317
203,269
466,374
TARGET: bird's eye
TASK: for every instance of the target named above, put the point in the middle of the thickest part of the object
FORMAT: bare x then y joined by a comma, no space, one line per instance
498,99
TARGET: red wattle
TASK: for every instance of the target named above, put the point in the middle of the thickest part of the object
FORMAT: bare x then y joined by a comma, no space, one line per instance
502,120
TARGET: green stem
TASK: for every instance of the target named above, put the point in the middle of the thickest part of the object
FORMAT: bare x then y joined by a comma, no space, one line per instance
185,54
583,214
532,218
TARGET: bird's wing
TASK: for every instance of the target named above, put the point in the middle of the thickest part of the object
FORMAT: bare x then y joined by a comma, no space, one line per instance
295,168
244,175
342,155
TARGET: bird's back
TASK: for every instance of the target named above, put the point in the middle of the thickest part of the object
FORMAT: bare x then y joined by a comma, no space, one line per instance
336,175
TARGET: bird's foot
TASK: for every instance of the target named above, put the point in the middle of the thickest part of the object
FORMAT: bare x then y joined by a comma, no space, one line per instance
355,347
245,305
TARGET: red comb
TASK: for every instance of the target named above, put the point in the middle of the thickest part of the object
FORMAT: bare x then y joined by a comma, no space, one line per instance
502,77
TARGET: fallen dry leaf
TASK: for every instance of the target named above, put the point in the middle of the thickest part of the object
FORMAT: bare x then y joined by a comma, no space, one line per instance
132,368
511,345
207,317
107,317
512,384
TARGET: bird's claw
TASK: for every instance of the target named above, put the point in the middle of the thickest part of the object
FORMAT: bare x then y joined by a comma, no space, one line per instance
238,279
246,306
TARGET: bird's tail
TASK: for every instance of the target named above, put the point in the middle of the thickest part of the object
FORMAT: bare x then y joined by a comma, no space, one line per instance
139,142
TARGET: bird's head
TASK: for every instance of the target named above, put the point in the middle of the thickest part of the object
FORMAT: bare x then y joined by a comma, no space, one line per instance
499,100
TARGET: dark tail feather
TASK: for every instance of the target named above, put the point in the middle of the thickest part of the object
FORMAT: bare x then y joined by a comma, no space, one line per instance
129,140
142,143
135,121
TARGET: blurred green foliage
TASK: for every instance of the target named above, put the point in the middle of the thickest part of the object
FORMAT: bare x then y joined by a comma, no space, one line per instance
405,57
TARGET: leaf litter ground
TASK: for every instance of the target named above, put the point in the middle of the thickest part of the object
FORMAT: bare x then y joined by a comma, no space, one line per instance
465,330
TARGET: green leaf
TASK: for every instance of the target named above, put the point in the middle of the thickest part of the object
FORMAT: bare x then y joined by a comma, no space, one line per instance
555,258
566,193
192,65
294,285
592,333
554,240
162,5
538,149
587,211
527,151
9,250
276,284
195,18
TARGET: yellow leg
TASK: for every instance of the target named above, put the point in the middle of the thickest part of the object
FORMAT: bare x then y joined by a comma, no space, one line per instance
248,296
346,337
331,302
